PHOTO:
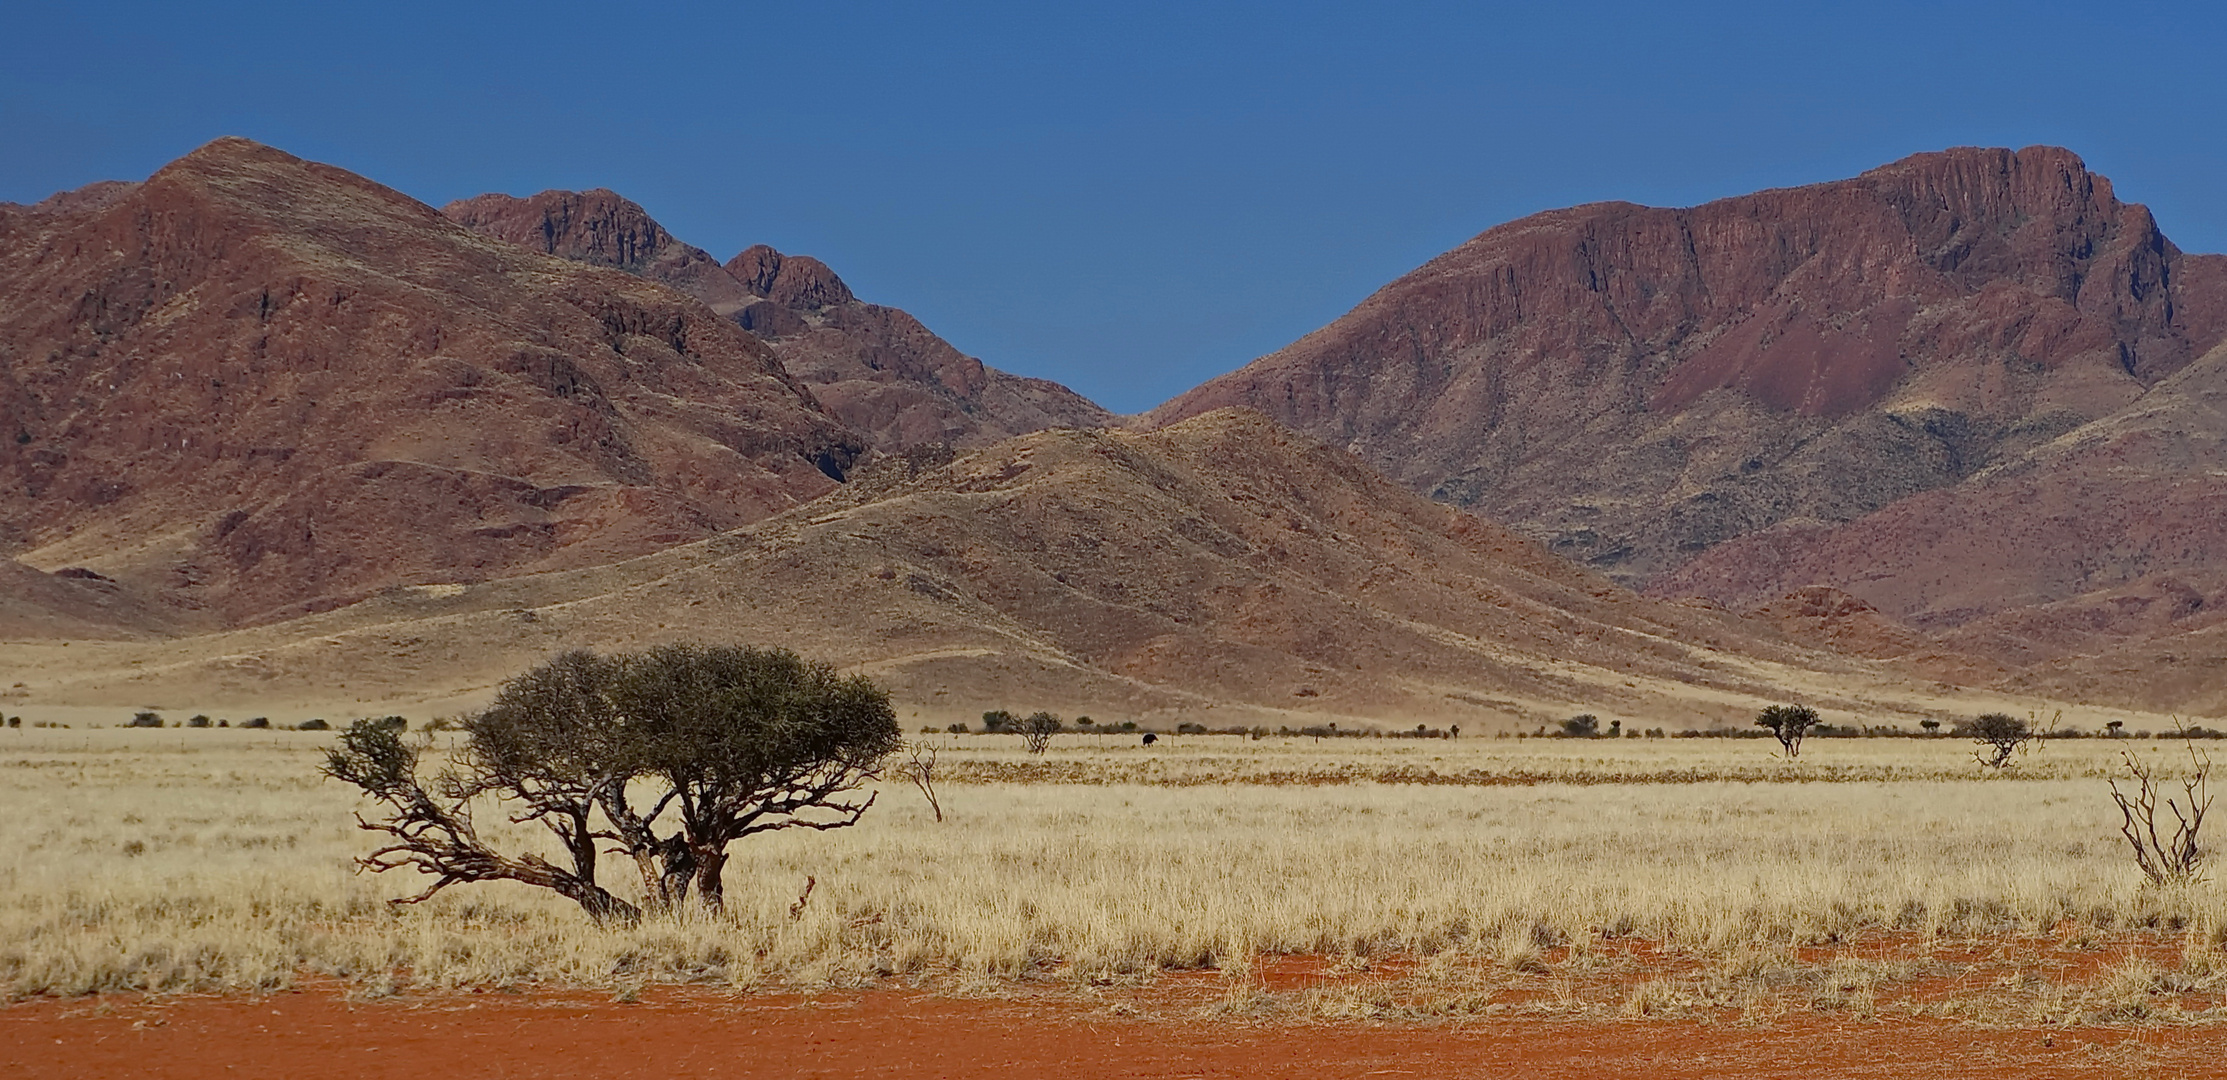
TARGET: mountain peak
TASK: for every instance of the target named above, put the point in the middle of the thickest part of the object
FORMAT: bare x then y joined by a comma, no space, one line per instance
796,281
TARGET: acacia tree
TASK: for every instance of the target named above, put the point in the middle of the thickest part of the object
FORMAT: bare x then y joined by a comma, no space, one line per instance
429,824
1789,723
2000,736
671,755
1037,731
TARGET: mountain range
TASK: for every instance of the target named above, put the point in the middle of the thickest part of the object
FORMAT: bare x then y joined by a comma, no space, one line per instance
1949,424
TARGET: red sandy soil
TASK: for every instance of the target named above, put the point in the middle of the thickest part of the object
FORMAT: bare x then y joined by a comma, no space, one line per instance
681,1034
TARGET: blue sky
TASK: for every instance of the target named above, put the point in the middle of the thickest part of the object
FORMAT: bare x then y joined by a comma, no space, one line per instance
1129,198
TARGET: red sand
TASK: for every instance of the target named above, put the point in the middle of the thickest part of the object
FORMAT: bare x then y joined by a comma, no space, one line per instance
677,1034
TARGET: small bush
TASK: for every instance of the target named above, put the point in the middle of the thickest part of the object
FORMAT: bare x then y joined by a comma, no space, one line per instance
256,722
1581,726
145,719
1037,731
1188,728
2000,736
998,721
198,721
2168,853
956,729
318,724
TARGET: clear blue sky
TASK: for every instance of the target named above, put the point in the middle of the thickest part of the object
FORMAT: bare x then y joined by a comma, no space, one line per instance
1129,197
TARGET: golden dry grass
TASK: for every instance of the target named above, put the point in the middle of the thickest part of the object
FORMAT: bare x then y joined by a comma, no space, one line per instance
214,859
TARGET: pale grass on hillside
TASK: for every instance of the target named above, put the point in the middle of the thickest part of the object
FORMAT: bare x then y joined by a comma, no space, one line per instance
165,860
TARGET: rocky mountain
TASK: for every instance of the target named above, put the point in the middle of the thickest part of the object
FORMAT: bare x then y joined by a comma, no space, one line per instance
1636,386
1221,570
254,385
876,367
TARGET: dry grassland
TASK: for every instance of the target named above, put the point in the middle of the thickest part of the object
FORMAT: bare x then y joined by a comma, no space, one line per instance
1643,876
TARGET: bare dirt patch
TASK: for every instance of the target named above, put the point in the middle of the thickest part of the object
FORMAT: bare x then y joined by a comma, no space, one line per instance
671,1034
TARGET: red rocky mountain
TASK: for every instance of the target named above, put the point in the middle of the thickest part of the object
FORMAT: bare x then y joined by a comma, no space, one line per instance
1964,409
876,367
1637,385
253,385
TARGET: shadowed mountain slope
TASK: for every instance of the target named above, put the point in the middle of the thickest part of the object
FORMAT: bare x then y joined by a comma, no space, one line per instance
1635,386
254,385
876,367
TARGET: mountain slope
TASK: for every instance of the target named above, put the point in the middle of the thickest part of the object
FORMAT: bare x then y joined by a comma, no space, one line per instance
876,367
1222,570
1635,385
254,385
2111,534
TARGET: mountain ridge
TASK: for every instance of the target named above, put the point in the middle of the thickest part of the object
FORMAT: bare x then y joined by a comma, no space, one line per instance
252,383
876,367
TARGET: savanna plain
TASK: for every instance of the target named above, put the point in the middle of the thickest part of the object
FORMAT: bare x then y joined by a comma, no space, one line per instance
1279,877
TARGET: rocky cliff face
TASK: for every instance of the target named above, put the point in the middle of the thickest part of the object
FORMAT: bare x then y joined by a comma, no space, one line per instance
876,367
254,385
1636,386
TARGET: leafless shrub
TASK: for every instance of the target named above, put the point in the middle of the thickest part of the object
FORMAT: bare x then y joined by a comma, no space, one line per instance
2172,856
919,767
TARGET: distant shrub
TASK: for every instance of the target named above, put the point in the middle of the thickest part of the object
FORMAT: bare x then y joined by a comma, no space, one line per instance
2000,736
1581,726
1187,728
1128,725
1930,726
318,724
256,722
197,721
1789,723
145,719
956,729
1036,732
998,721
15,721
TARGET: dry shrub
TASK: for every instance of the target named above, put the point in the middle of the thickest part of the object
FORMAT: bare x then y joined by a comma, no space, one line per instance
1657,998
